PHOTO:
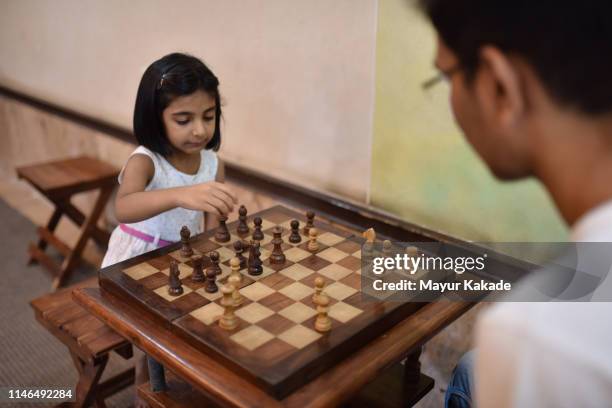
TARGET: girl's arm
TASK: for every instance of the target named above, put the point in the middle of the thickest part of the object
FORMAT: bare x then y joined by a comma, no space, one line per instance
212,220
133,204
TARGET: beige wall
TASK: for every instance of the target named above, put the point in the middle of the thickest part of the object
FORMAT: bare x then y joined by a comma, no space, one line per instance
422,167
297,76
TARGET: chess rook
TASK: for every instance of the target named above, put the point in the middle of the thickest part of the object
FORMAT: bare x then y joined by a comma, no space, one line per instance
175,288
295,237
310,215
198,274
228,321
257,234
277,257
222,234
186,250
243,228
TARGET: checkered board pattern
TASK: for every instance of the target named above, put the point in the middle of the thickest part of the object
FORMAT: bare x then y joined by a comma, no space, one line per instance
275,343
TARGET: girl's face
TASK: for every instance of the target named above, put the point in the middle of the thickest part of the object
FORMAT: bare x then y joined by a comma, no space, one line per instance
190,121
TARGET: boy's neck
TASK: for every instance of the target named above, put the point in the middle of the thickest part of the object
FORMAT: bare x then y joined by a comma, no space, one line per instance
574,162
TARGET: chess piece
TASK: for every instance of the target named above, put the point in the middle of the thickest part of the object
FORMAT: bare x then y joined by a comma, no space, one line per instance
412,251
367,250
186,250
198,273
235,279
319,283
238,250
309,221
214,259
277,257
175,287
255,267
295,237
257,234
387,247
322,322
228,321
222,234
369,235
243,228
211,285
313,245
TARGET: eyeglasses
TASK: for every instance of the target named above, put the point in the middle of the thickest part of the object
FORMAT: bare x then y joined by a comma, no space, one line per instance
443,75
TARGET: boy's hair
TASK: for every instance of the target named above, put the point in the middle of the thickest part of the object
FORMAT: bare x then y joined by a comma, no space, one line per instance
167,78
568,43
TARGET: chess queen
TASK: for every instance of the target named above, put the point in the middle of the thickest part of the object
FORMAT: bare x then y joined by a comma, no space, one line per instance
174,177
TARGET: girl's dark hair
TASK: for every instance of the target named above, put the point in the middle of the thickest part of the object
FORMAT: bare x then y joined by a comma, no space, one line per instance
164,80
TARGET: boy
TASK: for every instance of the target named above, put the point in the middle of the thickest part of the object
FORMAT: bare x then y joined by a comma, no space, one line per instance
532,90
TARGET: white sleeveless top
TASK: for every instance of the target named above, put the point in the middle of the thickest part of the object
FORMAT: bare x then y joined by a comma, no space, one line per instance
166,225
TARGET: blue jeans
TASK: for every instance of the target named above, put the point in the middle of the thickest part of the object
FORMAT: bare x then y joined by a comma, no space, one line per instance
459,392
157,376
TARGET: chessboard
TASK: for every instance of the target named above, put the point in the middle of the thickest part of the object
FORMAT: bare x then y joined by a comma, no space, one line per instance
275,344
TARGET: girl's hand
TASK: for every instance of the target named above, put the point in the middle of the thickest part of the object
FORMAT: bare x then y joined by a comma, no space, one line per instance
212,197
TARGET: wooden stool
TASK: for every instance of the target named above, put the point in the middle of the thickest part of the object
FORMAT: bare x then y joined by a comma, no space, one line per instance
89,341
59,181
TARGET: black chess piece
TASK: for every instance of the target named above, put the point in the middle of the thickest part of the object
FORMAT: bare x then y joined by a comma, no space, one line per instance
257,234
211,285
310,215
277,257
295,237
186,250
214,259
255,267
222,234
243,228
239,249
175,287
198,272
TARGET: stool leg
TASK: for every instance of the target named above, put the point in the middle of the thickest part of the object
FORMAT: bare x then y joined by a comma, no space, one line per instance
89,376
51,225
73,259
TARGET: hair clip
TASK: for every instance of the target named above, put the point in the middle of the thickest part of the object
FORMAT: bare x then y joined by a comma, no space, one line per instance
161,81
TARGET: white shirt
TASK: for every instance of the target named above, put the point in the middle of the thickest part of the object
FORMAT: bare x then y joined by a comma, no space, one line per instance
549,354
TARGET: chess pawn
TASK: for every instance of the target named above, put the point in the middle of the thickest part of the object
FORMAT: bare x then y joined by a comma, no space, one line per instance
186,250
257,234
309,222
228,321
214,259
387,247
235,279
313,245
211,285
174,283
198,273
295,237
412,251
243,228
319,283
239,250
277,257
322,322
222,234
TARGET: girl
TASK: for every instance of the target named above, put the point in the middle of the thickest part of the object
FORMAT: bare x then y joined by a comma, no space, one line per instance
174,176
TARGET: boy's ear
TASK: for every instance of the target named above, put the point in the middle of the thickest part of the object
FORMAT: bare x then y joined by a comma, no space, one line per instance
499,87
